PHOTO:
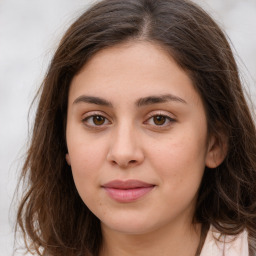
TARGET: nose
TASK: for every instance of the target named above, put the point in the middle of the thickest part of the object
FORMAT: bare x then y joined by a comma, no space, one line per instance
125,148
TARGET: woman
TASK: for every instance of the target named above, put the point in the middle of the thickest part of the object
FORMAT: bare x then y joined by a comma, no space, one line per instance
143,140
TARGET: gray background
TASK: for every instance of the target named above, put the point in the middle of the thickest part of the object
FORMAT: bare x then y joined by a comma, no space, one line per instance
29,33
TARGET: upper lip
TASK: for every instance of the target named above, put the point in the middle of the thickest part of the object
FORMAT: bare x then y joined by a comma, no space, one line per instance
127,184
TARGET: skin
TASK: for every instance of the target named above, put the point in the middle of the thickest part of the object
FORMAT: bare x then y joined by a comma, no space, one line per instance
128,142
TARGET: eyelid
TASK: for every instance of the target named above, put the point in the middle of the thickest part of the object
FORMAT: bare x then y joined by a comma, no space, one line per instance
91,114
170,119
95,113
165,114
161,113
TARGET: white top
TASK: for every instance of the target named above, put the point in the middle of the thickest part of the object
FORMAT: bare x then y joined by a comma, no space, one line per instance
226,245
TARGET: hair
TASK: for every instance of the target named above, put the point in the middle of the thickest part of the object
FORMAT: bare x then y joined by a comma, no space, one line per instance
52,217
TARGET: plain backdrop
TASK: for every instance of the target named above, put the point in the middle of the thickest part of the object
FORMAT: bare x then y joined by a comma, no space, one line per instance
29,33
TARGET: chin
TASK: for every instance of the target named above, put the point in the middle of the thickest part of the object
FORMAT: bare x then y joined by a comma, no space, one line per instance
134,225
130,229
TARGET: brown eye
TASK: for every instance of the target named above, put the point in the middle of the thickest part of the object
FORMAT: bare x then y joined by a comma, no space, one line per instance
98,120
94,121
159,120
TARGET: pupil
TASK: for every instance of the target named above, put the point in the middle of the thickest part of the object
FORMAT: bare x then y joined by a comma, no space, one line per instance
159,120
98,120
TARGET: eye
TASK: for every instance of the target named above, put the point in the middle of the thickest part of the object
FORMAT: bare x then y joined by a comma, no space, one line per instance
95,120
159,120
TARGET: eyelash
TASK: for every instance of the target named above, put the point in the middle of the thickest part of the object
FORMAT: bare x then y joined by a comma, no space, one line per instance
167,120
92,125
89,122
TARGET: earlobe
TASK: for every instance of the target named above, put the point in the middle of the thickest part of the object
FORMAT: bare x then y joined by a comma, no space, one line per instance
217,151
68,159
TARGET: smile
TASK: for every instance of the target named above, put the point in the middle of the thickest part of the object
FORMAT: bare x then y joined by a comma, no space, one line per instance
127,191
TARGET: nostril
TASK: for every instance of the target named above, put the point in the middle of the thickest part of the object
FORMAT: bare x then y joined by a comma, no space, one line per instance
124,164
114,162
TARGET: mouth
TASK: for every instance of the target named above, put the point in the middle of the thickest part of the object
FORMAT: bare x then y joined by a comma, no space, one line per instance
127,191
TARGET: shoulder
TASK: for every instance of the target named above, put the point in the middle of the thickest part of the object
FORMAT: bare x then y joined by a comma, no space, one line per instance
218,245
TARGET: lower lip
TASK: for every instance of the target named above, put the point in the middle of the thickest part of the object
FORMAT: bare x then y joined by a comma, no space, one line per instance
128,195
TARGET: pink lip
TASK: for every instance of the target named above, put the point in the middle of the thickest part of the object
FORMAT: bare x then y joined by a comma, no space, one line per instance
127,191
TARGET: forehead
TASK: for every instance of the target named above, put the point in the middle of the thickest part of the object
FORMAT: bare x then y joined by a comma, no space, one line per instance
133,69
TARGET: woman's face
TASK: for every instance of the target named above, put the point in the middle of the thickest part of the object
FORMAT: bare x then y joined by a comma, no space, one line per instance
137,138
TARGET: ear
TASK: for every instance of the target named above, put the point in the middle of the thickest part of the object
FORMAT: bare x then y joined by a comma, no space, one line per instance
68,159
217,150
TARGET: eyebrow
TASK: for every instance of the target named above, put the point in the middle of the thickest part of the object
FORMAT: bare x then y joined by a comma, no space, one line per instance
159,99
93,100
149,100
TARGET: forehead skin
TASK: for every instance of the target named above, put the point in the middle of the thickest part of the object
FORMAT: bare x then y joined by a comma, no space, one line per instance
99,71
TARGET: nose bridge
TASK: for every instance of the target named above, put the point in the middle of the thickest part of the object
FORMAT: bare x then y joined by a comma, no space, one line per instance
125,134
125,149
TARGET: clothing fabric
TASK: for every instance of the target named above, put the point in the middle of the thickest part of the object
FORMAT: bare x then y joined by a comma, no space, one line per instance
225,245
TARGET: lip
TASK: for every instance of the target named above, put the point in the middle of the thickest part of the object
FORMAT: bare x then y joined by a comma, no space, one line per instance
127,191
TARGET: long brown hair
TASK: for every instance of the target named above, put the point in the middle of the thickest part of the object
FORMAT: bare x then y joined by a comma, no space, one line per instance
51,215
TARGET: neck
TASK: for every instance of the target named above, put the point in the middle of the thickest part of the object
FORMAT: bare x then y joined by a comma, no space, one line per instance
168,241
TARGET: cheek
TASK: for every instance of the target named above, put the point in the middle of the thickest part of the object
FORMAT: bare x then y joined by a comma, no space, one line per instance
86,151
85,167
87,158
180,167
181,158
